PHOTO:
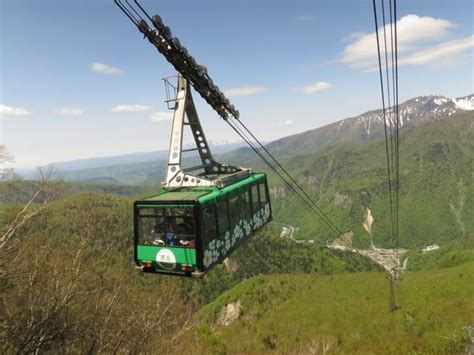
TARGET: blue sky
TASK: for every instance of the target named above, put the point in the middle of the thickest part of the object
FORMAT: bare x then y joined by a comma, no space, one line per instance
289,65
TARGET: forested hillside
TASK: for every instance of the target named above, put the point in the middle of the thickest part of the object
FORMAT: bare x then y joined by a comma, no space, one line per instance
20,191
68,280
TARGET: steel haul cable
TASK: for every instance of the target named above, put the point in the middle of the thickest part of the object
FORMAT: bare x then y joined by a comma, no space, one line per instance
284,180
397,164
389,172
393,169
388,114
290,177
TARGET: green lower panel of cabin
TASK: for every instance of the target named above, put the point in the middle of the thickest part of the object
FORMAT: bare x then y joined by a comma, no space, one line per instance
167,259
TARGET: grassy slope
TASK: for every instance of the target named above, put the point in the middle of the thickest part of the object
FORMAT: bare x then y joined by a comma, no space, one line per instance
349,312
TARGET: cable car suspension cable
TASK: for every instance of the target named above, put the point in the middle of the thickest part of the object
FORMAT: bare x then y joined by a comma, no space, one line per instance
298,186
397,149
393,169
389,172
320,215
390,116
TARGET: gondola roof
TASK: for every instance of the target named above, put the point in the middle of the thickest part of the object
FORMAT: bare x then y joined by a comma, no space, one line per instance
201,193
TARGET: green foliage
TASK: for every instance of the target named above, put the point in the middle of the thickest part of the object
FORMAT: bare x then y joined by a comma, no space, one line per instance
449,254
105,218
348,313
68,284
267,253
214,284
211,339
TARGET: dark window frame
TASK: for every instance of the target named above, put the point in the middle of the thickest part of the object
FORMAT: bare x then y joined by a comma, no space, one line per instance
254,187
248,203
205,239
263,185
238,206
222,199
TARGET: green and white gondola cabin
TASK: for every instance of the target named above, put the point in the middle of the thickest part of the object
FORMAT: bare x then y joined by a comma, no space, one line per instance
187,231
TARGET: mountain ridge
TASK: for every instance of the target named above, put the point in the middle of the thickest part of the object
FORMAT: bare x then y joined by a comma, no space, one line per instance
369,125
112,161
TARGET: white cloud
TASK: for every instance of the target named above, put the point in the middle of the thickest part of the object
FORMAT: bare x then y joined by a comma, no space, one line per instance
412,30
314,88
353,36
243,91
13,111
161,116
444,53
285,123
105,69
131,108
69,111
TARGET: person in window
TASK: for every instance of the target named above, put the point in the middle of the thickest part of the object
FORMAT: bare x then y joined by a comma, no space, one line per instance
171,237
157,235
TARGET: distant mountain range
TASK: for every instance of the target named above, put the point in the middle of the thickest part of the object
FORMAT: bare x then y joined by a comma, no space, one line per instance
80,168
148,167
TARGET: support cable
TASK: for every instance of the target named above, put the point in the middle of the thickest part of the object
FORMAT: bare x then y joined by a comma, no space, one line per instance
397,164
290,177
393,159
395,106
143,10
134,11
391,118
384,119
126,12
282,178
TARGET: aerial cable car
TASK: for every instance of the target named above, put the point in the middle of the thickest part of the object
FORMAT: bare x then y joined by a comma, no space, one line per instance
202,213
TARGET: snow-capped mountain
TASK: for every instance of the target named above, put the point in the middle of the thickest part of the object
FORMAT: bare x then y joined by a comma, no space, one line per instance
465,103
369,125
413,111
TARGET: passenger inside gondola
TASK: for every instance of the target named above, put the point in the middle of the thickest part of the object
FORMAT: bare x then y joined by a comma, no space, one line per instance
156,236
172,239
